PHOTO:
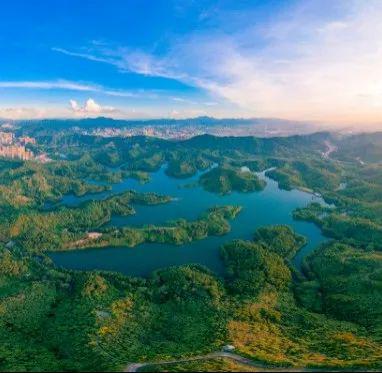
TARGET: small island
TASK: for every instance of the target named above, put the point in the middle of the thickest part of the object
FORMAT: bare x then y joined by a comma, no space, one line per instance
226,179
214,222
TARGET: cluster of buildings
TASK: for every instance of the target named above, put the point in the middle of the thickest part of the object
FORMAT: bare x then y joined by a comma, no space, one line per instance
15,148
163,132
186,131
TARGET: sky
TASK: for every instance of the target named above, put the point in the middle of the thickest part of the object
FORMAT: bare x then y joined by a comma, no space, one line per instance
317,60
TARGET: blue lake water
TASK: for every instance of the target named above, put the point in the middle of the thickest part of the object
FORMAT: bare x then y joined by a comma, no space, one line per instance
268,207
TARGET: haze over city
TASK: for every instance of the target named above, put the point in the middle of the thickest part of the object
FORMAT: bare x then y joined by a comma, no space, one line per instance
298,60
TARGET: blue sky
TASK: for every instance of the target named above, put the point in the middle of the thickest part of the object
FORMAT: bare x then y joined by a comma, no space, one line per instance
297,59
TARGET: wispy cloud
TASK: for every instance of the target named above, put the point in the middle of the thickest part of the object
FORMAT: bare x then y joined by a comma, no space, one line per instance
69,86
304,63
87,56
58,84
183,100
129,60
15,113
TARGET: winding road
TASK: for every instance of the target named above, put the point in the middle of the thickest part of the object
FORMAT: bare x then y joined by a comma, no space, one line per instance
330,149
228,355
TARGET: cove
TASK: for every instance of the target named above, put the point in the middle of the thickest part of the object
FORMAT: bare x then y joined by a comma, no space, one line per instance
270,206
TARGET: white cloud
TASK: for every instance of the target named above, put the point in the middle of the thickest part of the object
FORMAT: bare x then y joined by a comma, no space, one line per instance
210,103
74,105
22,113
129,60
304,63
69,86
183,100
58,84
90,108
82,55
174,114
183,113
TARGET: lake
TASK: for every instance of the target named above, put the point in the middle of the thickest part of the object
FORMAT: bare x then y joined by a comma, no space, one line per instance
268,207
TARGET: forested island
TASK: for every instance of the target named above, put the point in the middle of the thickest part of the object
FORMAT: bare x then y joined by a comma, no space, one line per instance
226,179
327,316
213,222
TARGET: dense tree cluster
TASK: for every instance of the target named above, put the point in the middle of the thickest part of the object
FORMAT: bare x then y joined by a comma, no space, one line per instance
227,179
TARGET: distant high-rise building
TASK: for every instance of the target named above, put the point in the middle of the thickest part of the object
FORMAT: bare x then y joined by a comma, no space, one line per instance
27,140
6,138
15,152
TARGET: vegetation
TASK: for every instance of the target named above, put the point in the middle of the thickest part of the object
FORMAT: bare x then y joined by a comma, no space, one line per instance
271,326
185,164
184,311
307,174
54,230
213,222
208,365
328,317
226,179
345,283
280,240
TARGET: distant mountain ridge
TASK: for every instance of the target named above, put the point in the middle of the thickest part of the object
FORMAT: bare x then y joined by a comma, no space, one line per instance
120,123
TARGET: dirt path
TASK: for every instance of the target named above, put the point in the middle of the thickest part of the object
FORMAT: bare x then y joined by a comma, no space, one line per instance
330,149
228,355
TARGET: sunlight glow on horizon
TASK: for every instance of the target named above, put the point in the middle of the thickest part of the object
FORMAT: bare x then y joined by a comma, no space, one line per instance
308,61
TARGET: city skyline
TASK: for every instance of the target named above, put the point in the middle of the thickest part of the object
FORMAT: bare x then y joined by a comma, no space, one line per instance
298,60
